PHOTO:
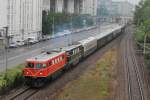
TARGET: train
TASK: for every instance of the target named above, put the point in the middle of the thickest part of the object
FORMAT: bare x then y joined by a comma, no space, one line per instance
49,64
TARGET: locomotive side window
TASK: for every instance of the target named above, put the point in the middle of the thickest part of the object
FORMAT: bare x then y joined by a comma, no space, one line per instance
53,62
63,57
50,63
58,59
30,65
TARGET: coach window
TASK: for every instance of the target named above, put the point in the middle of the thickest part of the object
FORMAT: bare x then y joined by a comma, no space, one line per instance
75,51
71,52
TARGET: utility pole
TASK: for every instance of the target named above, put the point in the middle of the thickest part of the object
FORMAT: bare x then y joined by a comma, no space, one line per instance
6,48
71,29
23,18
53,26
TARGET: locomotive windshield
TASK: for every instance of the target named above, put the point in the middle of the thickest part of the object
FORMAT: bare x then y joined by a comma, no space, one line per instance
30,65
40,65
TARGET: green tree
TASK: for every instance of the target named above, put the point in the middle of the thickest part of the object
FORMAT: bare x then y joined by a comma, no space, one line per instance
62,20
142,12
145,27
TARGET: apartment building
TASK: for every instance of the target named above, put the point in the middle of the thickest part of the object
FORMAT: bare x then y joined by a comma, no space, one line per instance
3,20
24,19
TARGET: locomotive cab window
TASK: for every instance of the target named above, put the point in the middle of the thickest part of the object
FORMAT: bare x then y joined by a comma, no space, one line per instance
30,65
40,65
44,65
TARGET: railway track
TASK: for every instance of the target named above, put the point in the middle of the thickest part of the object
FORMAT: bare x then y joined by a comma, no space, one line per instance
144,74
23,93
135,89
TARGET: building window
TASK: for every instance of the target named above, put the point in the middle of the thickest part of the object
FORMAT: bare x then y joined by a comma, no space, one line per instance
1,34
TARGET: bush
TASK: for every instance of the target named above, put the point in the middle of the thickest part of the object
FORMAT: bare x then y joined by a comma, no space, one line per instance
10,79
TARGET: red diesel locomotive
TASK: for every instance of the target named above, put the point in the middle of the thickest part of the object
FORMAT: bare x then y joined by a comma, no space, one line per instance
39,68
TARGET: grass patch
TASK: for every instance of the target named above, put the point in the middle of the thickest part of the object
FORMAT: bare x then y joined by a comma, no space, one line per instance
94,84
11,79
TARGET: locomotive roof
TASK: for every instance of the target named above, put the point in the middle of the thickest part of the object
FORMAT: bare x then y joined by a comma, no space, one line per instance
47,55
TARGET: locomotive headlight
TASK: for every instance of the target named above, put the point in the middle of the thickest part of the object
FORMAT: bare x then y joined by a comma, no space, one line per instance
27,72
41,73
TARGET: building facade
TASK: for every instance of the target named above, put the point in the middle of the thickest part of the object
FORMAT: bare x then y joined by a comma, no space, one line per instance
89,7
71,6
116,10
124,8
3,20
3,14
24,19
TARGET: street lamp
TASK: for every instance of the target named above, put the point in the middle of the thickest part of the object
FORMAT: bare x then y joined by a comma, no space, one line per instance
70,41
6,47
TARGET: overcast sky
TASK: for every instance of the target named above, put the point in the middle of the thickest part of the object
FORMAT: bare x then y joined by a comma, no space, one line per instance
131,1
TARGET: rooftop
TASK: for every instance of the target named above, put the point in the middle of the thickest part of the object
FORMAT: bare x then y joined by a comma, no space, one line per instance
71,47
101,35
87,40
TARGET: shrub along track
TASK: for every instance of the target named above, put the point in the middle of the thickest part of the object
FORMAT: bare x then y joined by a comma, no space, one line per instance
133,86
54,87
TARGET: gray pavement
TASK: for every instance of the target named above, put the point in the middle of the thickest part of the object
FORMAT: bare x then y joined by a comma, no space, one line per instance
19,55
